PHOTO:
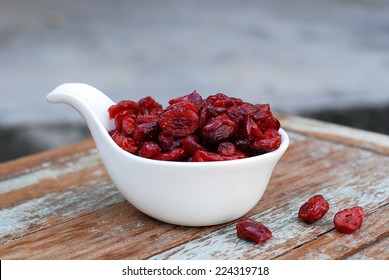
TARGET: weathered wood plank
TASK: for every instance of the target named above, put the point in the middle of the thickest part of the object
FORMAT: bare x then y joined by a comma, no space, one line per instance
23,165
55,177
376,251
56,208
51,170
338,133
52,185
116,230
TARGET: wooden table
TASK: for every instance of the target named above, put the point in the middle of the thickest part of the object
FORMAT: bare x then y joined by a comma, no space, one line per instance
61,204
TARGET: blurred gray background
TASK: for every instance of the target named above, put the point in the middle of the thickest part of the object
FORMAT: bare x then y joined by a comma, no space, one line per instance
326,59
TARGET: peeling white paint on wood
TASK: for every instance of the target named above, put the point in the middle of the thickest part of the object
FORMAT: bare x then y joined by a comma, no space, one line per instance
380,248
51,171
339,246
362,138
37,212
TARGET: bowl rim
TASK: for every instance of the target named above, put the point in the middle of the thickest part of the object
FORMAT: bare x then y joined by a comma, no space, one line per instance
281,149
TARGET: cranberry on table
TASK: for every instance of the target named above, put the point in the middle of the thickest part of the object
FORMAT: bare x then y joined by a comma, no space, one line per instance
312,210
349,220
251,230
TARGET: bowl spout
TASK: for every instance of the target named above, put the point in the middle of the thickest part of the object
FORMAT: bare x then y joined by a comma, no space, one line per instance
92,104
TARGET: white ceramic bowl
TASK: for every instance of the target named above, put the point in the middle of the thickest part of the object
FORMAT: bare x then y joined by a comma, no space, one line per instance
183,193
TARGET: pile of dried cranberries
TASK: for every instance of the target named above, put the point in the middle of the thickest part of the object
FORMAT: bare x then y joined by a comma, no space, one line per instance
195,129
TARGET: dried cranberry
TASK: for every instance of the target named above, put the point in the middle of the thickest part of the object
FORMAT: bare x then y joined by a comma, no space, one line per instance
219,129
269,123
146,132
202,156
147,118
237,155
248,108
119,117
174,155
194,98
128,125
242,144
220,100
204,115
150,150
262,112
250,230
168,142
226,149
126,143
191,144
148,105
270,142
349,220
218,103
312,210
251,129
124,105
178,121
236,113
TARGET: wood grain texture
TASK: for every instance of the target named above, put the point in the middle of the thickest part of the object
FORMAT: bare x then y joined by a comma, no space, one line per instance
338,133
22,165
377,250
335,245
61,205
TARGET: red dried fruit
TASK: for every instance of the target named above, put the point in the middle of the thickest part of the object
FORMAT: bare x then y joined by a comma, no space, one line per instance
147,118
148,105
250,230
150,150
183,104
191,144
226,149
146,132
168,142
193,98
314,209
262,112
121,115
178,121
349,220
252,130
237,155
236,113
249,109
128,105
222,100
177,154
218,103
219,129
271,142
202,156
204,115
126,143
128,125
269,123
